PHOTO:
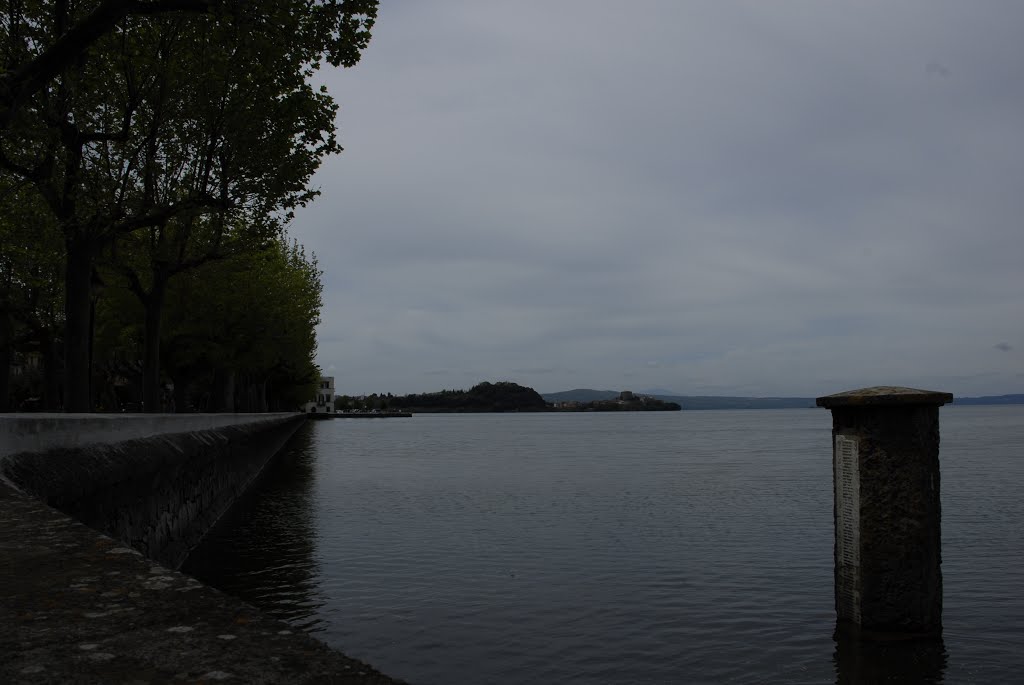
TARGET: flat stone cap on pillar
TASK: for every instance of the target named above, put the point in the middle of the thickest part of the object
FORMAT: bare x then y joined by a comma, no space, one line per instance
884,395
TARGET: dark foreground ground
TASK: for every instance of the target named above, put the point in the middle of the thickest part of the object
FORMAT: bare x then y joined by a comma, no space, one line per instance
77,607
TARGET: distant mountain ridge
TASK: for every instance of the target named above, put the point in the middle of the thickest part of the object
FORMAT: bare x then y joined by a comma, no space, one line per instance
729,402
580,395
687,401
990,399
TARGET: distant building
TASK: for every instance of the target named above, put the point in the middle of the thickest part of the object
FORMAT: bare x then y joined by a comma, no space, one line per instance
626,396
324,402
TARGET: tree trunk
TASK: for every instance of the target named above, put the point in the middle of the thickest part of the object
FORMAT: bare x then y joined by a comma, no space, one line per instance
241,393
51,389
180,394
222,391
215,397
6,348
152,395
229,392
77,324
247,394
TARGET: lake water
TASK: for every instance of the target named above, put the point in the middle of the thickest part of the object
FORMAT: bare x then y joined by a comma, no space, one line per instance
680,547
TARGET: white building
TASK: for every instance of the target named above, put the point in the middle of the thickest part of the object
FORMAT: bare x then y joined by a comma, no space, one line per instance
324,402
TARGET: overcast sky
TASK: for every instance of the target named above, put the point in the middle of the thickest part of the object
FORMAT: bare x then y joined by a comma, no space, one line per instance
716,197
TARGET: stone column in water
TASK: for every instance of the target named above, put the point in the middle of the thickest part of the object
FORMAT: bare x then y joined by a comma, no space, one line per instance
888,537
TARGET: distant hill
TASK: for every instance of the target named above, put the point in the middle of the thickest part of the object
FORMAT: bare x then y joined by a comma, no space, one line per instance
688,401
626,401
727,402
713,402
657,392
483,397
580,395
990,399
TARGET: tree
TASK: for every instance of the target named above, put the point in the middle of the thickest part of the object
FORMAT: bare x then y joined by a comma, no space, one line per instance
257,164
34,59
483,397
244,328
30,289
157,121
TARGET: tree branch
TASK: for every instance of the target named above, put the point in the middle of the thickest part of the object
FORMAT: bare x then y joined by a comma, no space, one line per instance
164,214
18,84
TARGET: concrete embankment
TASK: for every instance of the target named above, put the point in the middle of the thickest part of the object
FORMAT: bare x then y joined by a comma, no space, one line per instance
81,603
156,483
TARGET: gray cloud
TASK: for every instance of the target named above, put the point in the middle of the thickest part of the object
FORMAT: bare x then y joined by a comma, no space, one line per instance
760,198
1003,347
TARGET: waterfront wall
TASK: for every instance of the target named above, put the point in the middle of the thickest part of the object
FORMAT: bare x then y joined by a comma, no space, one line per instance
76,606
157,483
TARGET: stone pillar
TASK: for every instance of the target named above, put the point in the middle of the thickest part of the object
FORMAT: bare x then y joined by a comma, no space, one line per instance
888,538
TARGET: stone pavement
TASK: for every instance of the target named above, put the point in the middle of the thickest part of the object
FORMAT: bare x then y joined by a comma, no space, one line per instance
78,607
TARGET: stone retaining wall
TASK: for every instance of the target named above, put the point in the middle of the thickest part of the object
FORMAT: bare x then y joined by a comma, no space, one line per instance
156,483
40,432
75,606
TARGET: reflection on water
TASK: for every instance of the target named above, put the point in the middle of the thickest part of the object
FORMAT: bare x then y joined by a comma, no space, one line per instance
911,662
694,547
262,550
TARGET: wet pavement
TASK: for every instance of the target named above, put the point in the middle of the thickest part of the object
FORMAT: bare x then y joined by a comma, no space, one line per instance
78,607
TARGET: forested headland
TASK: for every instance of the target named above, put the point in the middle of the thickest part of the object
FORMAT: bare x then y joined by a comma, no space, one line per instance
626,401
503,396
151,158
481,398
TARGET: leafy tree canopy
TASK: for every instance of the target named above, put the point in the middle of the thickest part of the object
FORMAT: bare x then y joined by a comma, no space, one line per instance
483,397
43,39
193,121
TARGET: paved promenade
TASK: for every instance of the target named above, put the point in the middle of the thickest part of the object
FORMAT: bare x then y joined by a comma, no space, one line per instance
78,607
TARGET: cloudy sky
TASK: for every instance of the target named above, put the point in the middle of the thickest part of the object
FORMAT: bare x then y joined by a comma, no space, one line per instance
708,197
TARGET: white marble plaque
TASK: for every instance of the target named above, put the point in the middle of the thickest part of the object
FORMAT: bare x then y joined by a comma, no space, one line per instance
847,477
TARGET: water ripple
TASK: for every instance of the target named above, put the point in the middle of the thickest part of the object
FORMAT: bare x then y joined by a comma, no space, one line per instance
691,547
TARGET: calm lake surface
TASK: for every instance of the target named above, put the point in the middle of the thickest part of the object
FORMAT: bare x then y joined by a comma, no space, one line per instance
680,547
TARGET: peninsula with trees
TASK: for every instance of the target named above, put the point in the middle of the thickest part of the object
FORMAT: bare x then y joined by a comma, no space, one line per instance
488,397
626,401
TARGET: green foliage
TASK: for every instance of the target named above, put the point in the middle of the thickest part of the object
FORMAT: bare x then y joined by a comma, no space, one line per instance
484,397
178,115
31,298
31,262
638,403
253,315
42,40
155,138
